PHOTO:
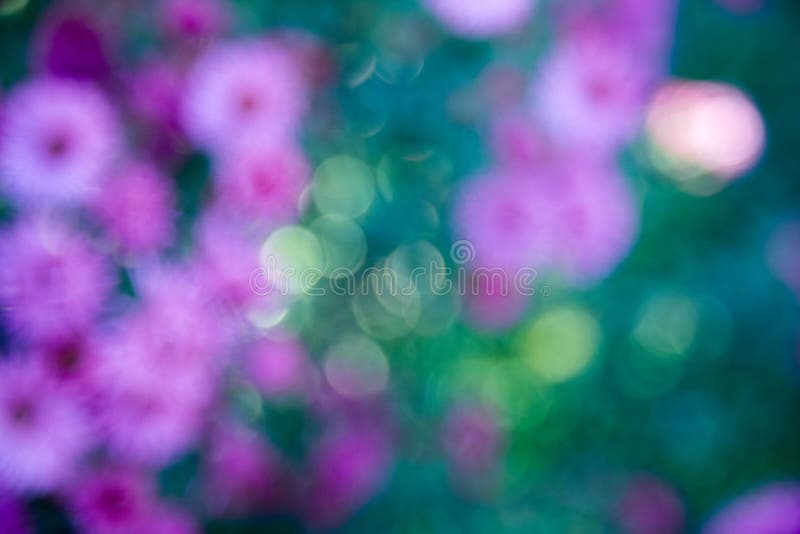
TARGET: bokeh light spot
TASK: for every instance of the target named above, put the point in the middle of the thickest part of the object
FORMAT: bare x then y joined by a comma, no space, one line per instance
343,185
356,367
561,343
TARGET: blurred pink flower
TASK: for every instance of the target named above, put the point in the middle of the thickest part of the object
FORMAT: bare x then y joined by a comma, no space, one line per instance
148,426
243,90
58,139
70,362
170,519
241,472
504,218
51,281
310,53
194,19
783,254
279,367
136,208
649,506
479,19
590,94
154,94
643,27
347,469
227,256
493,303
113,500
172,336
263,180
472,440
771,509
43,434
596,220
518,144
70,42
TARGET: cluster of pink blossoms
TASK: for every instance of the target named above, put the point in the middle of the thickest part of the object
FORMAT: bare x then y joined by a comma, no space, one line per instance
556,200
127,337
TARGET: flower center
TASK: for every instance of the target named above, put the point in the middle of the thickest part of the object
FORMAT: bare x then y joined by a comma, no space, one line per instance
57,145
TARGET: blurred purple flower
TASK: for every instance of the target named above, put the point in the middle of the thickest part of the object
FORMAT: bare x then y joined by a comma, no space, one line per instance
492,307
123,500
243,90
13,516
70,42
242,473
783,254
226,257
347,469
58,139
135,205
173,335
472,441
43,433
591,94
596,220
263,180
771,509
51,280
279,367
503,216
71,362
649,506
154,94
194,19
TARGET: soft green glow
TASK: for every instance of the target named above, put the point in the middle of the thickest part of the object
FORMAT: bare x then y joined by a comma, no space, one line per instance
561,343
343,185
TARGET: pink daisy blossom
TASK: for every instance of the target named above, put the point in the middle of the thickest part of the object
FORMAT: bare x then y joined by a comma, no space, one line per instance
136,208
58,139
71,43
112,501
279,367
590,93
194,19
43,434
51,281
773,509
478,19
243,90
264,180
242,473
596,220
649,506
347,469
503,218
